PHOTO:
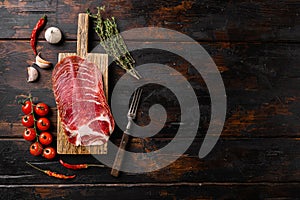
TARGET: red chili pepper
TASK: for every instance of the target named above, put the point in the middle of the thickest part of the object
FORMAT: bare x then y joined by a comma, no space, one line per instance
53,174
56,175
34,34
78,166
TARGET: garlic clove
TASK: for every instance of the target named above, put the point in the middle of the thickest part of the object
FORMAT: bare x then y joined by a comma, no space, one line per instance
41,62
32,73
53,35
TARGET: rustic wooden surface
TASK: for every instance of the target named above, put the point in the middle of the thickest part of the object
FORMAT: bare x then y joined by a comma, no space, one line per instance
255,45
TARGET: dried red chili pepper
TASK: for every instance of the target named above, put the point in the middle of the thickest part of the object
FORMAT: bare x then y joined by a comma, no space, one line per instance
50,173
56,175
78,166
34,34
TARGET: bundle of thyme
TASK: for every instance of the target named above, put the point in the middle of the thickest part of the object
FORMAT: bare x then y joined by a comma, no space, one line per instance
112,41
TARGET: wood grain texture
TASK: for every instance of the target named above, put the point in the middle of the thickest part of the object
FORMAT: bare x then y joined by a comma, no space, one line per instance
202,20
262,92
120,156
255,45
82,34
271,160
203,191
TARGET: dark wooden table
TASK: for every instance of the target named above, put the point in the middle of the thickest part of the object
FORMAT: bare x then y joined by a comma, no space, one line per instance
255,45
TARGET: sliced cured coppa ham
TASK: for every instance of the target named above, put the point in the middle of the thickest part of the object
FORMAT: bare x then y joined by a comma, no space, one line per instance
78,89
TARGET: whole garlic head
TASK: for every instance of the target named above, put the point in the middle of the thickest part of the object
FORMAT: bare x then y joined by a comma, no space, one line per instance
53,35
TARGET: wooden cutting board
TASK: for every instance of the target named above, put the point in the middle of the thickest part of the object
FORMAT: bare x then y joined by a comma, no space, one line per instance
63,145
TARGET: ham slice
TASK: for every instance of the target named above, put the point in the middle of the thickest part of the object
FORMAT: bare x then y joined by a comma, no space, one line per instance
78,89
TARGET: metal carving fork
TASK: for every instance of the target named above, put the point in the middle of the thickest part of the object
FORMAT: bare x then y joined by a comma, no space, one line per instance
130,116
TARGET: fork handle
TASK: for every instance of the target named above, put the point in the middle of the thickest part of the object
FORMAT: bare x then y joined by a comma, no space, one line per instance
120,155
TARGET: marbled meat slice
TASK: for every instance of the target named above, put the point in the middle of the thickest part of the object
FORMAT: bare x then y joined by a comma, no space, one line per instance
78,89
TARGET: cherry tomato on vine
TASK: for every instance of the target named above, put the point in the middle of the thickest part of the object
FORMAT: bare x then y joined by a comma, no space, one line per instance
49,153
43,124
45,138
41,109
36,149
28,121
29,134
27,107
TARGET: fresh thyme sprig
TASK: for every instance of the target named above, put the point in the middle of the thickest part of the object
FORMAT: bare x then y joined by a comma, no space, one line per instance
112,41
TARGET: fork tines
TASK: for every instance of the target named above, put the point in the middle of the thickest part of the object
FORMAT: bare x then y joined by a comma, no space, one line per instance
135,102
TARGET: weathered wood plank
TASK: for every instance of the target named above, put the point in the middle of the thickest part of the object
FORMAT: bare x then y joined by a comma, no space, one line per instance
261,81
274,119
255,45
209,20
253,66
232,160
154,191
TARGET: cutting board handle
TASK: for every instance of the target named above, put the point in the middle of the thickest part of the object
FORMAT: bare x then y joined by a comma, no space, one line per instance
82,34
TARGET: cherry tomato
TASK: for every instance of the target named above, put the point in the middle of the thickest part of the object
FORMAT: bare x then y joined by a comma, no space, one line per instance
28,120
29,134
49,153
36,149
43,124
45,138
41,109
27,107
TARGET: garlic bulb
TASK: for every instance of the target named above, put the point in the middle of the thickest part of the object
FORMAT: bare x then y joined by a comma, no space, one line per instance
33,74
53,35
